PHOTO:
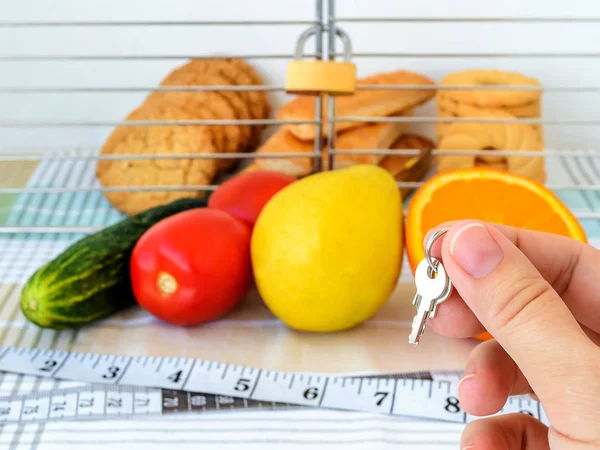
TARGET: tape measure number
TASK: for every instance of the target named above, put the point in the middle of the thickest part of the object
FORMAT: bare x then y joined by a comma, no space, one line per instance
431,397
105,402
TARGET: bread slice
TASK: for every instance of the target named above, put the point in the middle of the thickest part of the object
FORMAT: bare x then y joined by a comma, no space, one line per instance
409,167
283,141
363,103
367,137
377,136
399,165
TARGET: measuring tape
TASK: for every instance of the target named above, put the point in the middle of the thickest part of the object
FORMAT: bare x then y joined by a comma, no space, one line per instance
140,386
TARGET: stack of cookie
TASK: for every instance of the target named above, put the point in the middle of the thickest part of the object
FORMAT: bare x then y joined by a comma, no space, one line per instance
491,104
350,135
189,139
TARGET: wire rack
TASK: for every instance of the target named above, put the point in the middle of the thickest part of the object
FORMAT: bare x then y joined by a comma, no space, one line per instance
61,200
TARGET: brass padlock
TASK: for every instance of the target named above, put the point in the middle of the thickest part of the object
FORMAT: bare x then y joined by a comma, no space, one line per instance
321,77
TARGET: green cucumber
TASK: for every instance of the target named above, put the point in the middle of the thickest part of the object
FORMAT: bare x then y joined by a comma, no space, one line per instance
90,280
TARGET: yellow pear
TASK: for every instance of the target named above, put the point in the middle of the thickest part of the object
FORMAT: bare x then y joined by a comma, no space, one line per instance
327,249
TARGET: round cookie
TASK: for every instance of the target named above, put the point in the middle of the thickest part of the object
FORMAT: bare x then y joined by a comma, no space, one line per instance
490,98
475,113
533,109
219,106
241,109
153,140
449,108
491,137
246,75
536,170
529,110
241,74
202,112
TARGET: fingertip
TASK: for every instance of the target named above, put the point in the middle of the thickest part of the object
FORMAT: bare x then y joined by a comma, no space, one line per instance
480,435
465,388
505,432
489,380
481,393
470,248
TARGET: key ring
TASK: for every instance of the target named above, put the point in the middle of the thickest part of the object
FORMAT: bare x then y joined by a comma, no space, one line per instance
432,262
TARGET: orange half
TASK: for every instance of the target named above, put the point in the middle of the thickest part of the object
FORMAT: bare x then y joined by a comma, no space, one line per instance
489,195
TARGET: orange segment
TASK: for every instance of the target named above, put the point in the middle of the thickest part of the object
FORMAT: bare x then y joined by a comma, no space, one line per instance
485,194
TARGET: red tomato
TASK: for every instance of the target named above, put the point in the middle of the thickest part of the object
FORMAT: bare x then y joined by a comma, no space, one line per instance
192,267
245,195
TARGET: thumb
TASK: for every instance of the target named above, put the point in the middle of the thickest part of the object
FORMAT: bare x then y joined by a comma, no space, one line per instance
527,317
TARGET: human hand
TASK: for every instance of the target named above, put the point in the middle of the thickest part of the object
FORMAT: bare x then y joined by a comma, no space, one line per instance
538,294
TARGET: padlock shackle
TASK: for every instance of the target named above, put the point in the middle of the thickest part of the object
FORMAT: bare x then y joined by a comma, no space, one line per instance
346,41
299,53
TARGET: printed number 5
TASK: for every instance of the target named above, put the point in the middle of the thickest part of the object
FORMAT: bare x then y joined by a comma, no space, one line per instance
242,385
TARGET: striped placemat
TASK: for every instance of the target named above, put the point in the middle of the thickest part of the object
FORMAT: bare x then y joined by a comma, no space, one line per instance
24,252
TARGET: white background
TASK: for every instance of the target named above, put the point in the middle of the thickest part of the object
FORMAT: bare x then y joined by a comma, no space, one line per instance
416,37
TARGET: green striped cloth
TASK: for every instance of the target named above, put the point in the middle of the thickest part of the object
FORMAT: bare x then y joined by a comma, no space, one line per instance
24,252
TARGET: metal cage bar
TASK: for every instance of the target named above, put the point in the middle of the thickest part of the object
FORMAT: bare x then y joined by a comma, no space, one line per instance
326,24
317,147
331,134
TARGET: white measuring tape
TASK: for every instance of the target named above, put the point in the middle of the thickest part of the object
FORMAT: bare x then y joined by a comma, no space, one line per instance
130,386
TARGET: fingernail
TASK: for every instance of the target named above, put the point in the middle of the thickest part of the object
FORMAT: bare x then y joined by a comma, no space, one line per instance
465,378
475,250
468,447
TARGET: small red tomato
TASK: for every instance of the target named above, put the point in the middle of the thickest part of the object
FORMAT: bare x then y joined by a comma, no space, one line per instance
192,267
245,195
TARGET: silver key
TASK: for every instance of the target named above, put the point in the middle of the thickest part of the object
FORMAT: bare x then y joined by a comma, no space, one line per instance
430,293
